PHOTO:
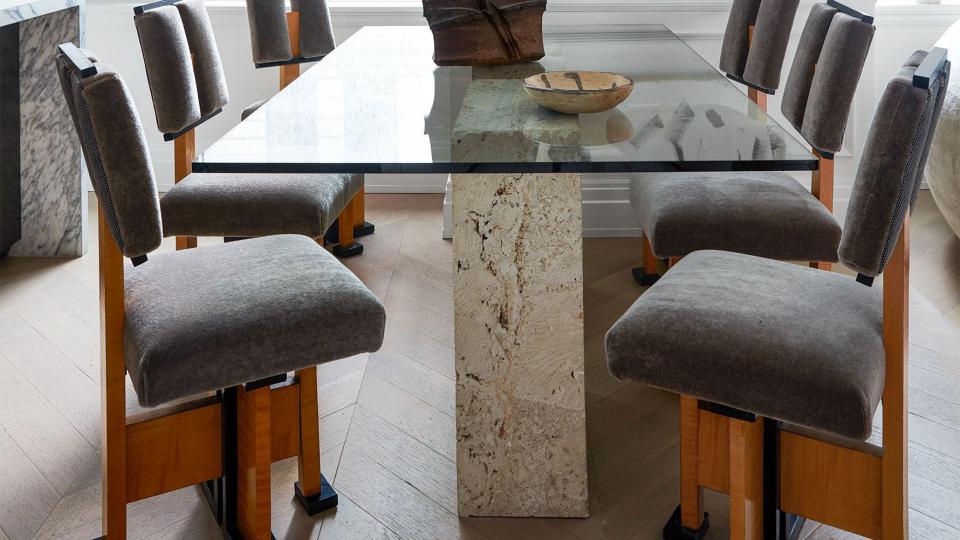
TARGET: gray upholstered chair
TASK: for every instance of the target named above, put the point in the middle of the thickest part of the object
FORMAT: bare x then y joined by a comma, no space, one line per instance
287,39
766,214
781,367
215,329
188,88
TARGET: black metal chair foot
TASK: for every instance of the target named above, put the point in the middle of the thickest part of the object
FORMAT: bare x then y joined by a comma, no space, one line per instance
674,529
341,252
364,229
643,278
314,504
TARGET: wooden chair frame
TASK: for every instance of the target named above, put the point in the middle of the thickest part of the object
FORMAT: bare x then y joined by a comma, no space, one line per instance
170,448
175,447
353,216
861,492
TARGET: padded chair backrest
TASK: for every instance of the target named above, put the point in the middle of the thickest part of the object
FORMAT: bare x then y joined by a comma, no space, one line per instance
116,153
183,65
757,62
270,35
891,167
824,76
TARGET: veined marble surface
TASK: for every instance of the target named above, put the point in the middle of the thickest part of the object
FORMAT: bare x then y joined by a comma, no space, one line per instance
14,11
52,201
521,421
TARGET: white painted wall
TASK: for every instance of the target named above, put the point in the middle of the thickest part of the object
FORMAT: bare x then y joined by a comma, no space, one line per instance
903,26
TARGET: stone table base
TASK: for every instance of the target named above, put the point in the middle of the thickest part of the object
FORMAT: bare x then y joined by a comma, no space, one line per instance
521,436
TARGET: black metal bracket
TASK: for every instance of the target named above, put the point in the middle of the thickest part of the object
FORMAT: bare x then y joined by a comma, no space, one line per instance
643,278
332,236
847,10
724,410
356,248
320,502
171,136
929,70
268,381
292,61
228,239
138,10
80,62
735,78
674,529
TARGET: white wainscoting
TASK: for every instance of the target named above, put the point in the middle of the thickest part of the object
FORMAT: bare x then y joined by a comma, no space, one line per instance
902,28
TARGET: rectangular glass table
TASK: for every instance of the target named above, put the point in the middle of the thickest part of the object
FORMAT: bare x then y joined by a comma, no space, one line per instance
378,104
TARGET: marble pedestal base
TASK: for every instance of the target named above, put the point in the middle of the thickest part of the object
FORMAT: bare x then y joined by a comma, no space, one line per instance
39,147
521,435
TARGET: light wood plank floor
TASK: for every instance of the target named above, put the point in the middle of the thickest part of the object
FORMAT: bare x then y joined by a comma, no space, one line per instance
387,419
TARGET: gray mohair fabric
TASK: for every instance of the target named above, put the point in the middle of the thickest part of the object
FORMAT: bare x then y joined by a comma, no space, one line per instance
780,340
166,57
835,82
891,169
251,205
252,108
269,35
207,68
117,158
316,30
769,47
768,214
736,39
203,319
797,89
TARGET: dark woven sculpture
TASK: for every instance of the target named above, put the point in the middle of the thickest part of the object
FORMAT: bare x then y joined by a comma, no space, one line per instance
485,32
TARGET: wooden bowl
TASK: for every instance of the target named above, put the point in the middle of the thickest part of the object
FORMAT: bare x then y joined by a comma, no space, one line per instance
576,92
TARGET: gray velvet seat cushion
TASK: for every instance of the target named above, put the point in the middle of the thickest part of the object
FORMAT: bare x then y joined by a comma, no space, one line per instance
760,60
208,70
269,35
824,76
166,57
252,108
780,340
766,214
202,319
316,30
256,204
117,156
891,168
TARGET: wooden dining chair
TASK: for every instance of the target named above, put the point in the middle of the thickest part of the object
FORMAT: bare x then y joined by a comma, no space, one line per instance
287,39
214,330
780,367
767,214
188,88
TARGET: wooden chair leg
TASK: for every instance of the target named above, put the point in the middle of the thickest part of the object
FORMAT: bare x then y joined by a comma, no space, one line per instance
691,494
822,189
112,387
649,272
347,246
253,463
746,479
184,152
360,225
896,317
312,489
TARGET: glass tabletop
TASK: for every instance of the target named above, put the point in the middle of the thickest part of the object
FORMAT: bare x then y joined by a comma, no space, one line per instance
378,104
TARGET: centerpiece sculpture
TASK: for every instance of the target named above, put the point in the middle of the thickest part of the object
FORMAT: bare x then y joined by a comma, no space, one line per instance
485,32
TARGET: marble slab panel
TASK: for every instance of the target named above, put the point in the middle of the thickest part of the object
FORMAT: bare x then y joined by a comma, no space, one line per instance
521,438
53,204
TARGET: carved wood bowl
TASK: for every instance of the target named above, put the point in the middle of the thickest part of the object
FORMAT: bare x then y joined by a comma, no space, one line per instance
576,92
